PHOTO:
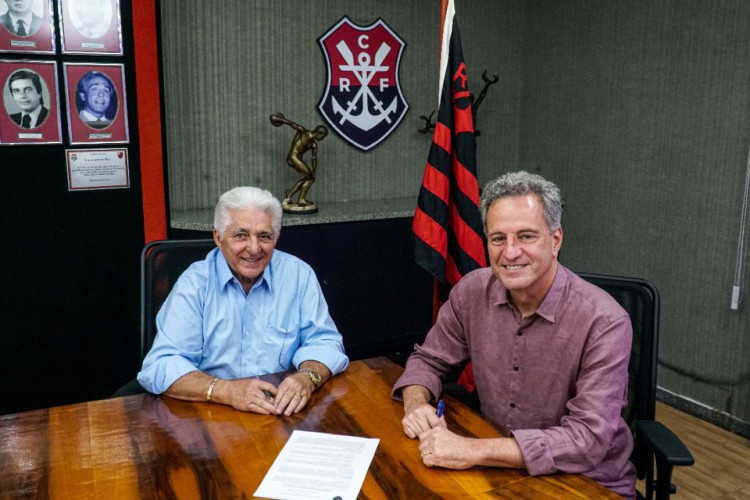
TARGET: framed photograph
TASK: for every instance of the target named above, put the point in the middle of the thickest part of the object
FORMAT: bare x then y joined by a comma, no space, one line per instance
26,26
90,26
97,106
31,110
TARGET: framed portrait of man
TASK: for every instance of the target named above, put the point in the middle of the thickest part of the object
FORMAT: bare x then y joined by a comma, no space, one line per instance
31,111
90,26
27,26
97,106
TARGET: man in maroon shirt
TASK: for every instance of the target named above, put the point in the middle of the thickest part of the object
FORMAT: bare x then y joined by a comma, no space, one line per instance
550,352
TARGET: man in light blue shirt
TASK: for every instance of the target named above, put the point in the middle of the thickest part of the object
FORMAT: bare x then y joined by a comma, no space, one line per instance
246,310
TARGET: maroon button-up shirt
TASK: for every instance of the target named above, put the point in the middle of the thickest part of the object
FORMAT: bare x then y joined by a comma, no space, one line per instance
555,381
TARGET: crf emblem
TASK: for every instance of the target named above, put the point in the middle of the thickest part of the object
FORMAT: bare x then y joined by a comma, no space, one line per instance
362,100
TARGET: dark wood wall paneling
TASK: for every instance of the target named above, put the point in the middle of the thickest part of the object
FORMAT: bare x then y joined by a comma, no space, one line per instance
70,281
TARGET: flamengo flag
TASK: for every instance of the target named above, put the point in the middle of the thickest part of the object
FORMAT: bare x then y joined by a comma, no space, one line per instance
447,226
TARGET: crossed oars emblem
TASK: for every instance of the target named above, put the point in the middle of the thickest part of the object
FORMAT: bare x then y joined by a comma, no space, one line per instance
364,72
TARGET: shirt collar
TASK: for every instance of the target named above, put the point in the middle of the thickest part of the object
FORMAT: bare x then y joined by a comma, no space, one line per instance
91,117
549,305
34,116
225,276
26,20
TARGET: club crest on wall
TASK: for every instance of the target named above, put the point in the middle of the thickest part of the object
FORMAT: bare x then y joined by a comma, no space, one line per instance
362,100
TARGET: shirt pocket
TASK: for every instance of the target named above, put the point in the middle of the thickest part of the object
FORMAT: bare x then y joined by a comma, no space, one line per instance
280,344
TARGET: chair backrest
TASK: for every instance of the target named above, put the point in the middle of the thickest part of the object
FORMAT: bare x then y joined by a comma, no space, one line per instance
162,262
641,300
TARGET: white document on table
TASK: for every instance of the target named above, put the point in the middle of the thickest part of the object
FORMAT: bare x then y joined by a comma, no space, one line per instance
315,465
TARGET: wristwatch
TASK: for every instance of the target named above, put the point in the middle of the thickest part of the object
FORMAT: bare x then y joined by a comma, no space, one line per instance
313,375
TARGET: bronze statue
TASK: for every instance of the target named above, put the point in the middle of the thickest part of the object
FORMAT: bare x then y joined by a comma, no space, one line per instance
429,126
304,140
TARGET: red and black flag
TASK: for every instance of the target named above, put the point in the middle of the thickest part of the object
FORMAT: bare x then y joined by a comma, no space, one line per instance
447,226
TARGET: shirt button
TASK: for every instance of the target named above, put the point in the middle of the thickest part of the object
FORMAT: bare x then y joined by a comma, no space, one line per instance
513,405
520,333
515,368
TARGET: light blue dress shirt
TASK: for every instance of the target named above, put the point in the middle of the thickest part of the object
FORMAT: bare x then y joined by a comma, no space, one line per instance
208,323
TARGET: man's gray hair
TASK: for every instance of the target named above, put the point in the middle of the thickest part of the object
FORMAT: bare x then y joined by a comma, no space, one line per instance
519,184
246,198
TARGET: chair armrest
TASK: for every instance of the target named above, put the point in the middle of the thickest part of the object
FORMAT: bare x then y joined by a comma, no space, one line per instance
667,447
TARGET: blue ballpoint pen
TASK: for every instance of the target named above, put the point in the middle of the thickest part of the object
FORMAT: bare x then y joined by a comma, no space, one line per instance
440,408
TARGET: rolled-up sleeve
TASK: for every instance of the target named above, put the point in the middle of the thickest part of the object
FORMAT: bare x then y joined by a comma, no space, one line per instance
178,344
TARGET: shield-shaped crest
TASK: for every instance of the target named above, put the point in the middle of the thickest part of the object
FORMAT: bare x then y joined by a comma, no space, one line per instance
362,100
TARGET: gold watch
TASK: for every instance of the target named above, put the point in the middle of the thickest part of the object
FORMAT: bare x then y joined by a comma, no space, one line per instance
314,376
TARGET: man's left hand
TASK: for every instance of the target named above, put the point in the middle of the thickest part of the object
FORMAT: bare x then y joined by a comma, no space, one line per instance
442,448
293,394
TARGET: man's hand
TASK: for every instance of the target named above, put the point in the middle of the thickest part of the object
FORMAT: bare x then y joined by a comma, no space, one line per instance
293,394
442,448
246,394
419,415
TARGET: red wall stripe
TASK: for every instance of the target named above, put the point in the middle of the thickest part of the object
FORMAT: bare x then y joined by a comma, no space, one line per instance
149,120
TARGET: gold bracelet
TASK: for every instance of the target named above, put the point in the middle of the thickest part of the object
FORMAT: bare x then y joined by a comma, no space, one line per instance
211,389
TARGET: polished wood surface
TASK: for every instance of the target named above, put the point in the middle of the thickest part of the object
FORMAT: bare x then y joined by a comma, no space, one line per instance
152,447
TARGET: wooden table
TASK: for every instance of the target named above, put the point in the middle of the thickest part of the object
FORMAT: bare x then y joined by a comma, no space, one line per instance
152,447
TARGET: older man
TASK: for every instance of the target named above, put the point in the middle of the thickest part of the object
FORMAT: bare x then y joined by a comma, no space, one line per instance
26,88
550,352
246,310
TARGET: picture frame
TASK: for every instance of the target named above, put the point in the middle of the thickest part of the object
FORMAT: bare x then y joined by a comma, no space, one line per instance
96,103
31,109
90,27
37,29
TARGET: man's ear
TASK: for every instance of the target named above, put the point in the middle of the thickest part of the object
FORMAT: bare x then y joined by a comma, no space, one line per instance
557,238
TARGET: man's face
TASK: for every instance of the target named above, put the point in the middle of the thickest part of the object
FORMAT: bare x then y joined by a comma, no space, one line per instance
19,7
90,12
247,244
98,95
25,94
522,251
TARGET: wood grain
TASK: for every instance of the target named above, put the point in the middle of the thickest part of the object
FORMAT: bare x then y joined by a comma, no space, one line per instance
151,447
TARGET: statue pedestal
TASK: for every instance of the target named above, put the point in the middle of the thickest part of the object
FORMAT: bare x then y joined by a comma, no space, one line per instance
290,207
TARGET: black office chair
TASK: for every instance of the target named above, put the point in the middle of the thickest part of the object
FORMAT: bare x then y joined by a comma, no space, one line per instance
162,262
653,441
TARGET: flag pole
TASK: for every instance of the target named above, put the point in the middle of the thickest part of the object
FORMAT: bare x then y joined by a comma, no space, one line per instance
443,14
443,10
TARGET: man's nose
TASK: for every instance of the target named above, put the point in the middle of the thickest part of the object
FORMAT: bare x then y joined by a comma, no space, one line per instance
512,248
253,245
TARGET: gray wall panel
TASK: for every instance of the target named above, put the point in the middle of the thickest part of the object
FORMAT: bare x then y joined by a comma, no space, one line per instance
639,111
229,65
